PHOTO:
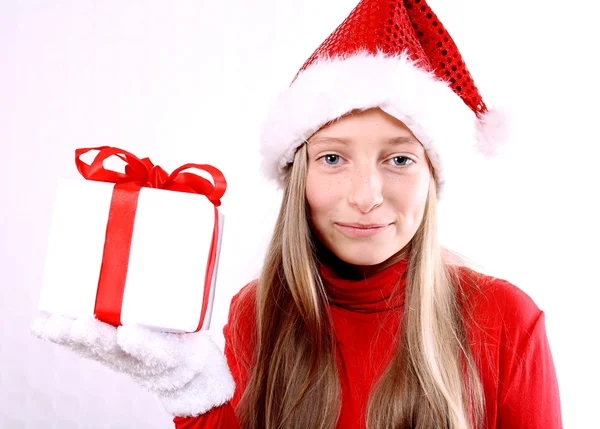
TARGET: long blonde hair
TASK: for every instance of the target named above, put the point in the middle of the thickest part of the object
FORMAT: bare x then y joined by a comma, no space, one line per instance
431,381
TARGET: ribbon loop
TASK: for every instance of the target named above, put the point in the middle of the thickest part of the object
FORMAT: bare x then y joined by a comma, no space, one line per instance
135,170
145,174
199,184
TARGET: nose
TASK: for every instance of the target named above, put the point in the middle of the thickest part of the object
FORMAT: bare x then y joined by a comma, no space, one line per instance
366,189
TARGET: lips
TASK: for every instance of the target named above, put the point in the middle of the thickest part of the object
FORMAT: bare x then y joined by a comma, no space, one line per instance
363,225
360,229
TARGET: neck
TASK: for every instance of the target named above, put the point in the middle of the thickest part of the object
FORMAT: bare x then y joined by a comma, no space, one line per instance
352,271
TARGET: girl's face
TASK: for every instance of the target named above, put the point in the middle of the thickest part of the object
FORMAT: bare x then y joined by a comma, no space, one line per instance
366,186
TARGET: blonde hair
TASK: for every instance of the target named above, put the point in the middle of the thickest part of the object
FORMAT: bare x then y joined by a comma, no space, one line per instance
431,381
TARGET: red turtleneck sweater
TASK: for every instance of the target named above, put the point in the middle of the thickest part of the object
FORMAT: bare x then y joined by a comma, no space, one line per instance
507,336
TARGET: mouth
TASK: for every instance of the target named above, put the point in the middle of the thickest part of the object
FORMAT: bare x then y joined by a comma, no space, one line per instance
363,225
361,230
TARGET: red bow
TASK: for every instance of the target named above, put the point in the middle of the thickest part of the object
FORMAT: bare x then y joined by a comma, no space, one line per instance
144,173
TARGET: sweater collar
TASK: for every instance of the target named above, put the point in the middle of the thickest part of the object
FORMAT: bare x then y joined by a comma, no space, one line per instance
381,291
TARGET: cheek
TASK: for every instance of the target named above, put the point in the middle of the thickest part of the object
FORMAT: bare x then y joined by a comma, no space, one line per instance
322,197
410,198
316,198
420,199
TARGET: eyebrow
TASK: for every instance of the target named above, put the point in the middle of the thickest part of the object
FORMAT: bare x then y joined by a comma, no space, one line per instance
395,141
404,140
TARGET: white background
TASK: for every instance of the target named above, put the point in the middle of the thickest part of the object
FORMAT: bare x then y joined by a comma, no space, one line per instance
191,81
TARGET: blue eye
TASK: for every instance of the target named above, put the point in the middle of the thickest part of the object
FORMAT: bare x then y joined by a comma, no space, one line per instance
331,159
399,158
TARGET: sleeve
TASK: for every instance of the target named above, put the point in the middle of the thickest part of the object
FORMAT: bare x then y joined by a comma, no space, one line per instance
238,352
221,417
529,396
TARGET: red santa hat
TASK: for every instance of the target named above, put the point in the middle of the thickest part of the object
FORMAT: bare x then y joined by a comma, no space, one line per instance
395,55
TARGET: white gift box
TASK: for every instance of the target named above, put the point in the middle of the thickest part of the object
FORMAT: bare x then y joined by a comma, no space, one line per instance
167,271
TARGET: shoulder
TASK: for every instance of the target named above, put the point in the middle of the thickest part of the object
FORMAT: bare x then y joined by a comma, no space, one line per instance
502,323
493,300
240,336
240,329
242,310
243,303
499,316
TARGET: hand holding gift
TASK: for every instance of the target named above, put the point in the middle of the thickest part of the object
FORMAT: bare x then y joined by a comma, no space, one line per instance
130,275
187,372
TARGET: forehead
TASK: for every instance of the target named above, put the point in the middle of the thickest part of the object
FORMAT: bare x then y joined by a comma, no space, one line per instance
372,125
320,140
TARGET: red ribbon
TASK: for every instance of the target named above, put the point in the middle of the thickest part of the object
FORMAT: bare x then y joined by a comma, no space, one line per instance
140,173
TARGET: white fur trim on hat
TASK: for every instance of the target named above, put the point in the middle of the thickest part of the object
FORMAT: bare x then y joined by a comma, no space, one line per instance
493,128
332,87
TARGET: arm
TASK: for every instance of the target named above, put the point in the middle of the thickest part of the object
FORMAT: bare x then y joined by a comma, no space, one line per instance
219,417
529,396
239,346
187,372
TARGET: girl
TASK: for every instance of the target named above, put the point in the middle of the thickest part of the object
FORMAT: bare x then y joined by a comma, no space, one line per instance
359,318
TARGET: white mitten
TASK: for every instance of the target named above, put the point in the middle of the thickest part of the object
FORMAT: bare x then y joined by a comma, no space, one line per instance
188,372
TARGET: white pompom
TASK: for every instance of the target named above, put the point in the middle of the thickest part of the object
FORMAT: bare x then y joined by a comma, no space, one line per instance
493,130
